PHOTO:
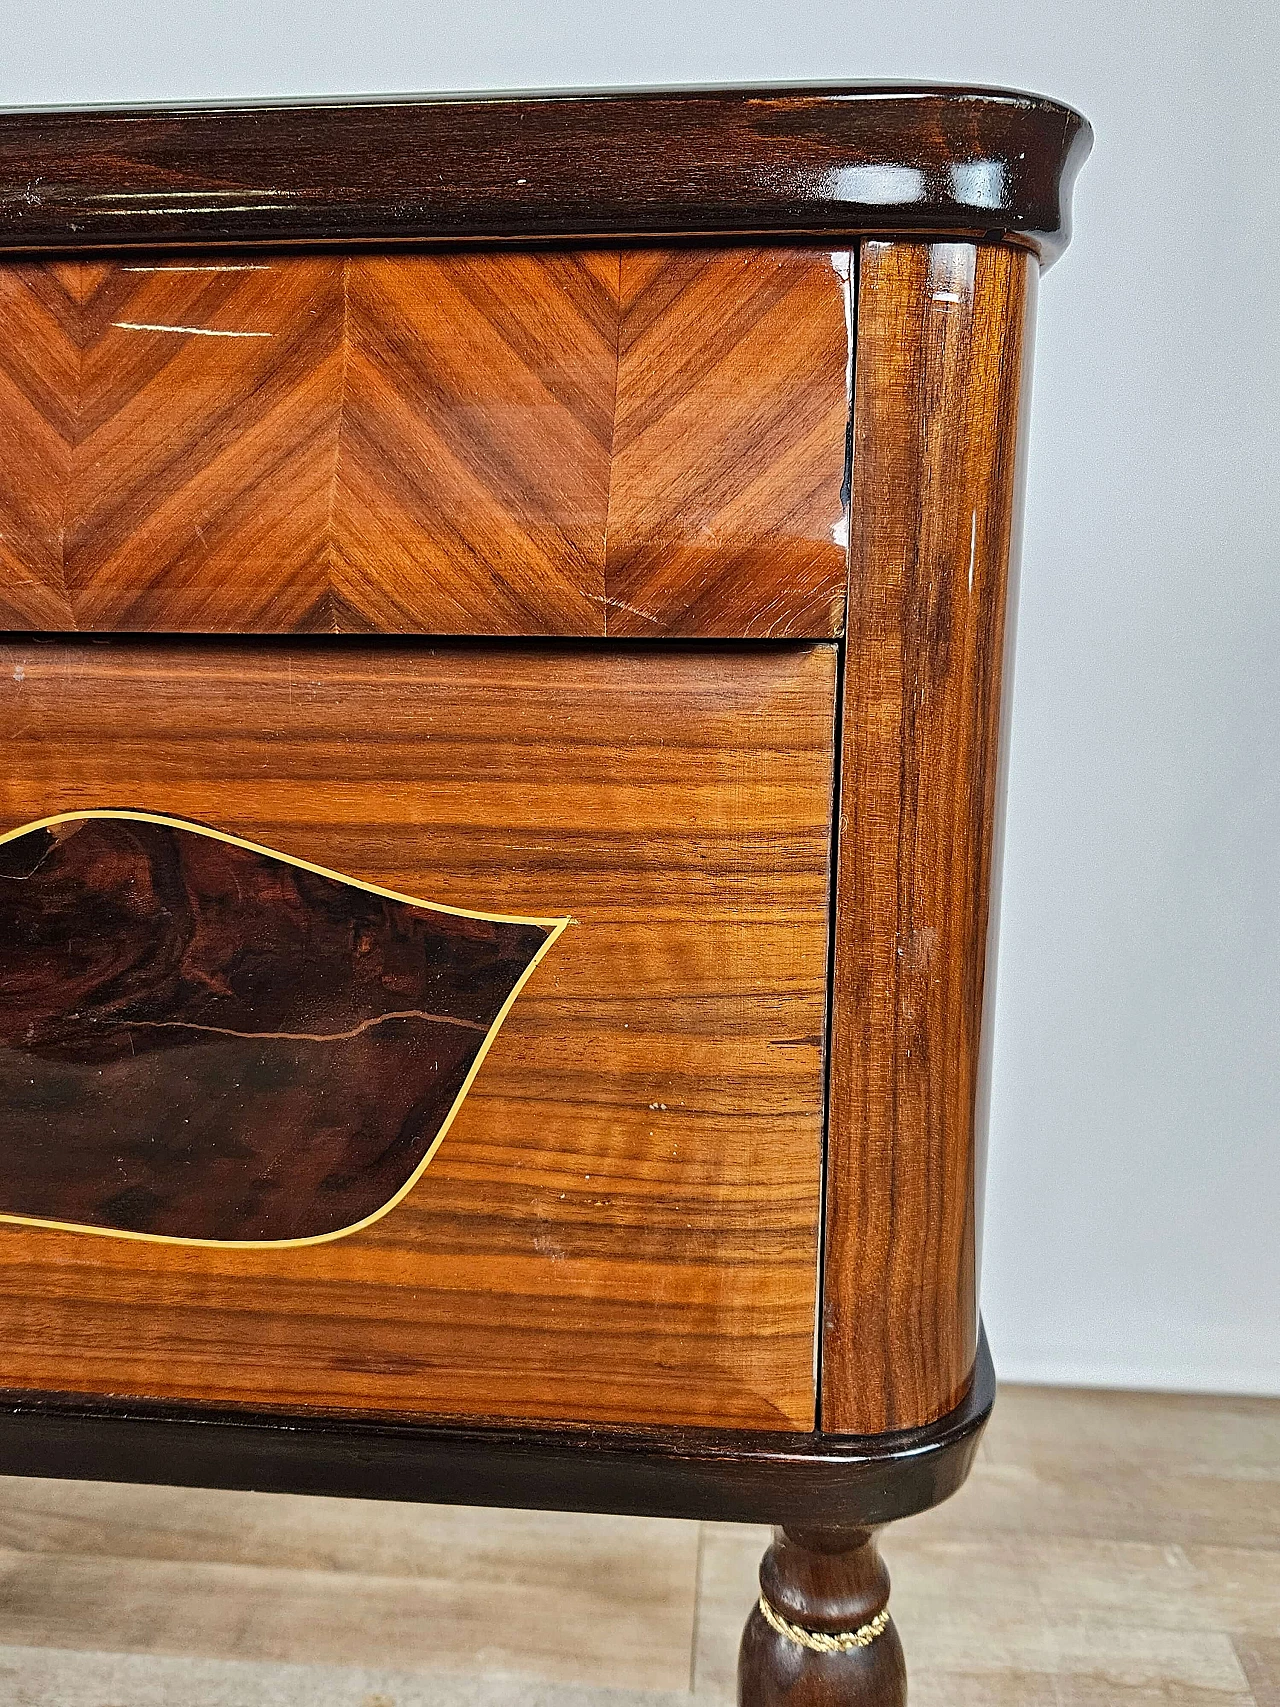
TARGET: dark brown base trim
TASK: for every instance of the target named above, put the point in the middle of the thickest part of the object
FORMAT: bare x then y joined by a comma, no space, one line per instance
835,1481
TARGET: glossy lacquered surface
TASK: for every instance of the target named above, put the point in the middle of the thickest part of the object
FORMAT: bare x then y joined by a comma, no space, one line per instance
815,1584
839,159
593,443
941,336
621,1224
737,1477
200,1040
613,1288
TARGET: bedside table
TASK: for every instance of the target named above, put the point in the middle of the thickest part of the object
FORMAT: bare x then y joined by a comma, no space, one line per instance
506,608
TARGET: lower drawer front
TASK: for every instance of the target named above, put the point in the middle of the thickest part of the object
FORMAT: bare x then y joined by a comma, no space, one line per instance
224,1071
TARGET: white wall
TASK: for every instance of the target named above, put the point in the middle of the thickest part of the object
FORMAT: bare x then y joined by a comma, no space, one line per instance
1133,1230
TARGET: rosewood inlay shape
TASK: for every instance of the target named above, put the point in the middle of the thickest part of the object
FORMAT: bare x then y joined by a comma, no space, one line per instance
202,1040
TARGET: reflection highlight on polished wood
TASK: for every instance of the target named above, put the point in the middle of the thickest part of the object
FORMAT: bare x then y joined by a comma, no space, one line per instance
202,1039
658,164
201,453
941,331
471,483
728,514
443,443
623,1223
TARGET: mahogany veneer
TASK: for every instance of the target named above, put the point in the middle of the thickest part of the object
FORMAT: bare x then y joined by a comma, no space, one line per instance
422,523
569,443
766,161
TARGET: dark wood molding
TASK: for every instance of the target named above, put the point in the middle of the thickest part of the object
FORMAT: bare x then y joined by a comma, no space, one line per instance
739,1476
821,1635
818,160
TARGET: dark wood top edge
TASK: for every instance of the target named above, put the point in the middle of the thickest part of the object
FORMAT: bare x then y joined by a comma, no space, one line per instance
865,90
835,160
735,1476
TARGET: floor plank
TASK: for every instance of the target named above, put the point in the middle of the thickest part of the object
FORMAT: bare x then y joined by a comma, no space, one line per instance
728,1584
1150,1467
263,1577
1261,1662
44,1677
465,1543
1111,1584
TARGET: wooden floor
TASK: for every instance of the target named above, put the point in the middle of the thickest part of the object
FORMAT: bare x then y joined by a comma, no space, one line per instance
1110,1548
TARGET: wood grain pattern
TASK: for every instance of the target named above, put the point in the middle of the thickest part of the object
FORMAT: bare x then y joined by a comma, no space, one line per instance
472,479
656,163
824,1583
39,381
622,1225
202,448
727,514
200,1039
936,435
434,444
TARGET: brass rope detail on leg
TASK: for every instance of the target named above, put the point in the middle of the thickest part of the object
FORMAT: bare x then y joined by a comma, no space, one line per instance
842,1642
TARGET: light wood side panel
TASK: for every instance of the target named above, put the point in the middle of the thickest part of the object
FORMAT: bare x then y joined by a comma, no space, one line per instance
727,515
622,1222
941,330
426,443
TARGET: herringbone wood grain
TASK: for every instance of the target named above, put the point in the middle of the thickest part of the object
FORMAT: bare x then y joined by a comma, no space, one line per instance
473,476
203,454
727,515
566,442
38,383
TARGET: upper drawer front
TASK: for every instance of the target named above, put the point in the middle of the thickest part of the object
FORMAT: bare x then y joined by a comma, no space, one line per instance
637,444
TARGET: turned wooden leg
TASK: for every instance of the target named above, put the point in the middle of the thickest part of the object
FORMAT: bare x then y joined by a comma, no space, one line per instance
821,1636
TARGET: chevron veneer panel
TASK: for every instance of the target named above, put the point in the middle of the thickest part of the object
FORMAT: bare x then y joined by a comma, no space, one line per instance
472,481
557,443
727,514
203,449
37,399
